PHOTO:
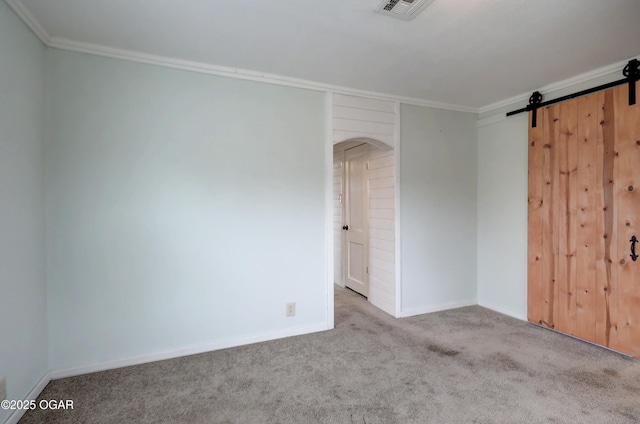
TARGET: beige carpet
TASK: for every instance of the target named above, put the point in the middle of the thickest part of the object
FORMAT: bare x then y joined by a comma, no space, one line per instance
468,365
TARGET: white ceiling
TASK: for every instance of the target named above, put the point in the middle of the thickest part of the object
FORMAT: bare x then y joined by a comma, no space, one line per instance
469,53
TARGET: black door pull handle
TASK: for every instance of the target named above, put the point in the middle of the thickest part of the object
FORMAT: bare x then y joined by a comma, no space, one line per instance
345,227
633,241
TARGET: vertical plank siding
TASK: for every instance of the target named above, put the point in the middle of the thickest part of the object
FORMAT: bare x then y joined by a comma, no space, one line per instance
584,207
606,272
628,199
535,298
565,201
550,217
587,140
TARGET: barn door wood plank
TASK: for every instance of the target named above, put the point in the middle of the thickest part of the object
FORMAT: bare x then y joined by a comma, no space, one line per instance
535,288
587,140
566,201
551,129
606,233
627,124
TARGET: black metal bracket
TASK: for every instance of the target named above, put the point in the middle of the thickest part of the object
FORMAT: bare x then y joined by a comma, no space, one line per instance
631,73
534,102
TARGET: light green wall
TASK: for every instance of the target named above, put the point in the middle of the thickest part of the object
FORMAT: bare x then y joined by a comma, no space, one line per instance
183,209
502,216
23,326
438,208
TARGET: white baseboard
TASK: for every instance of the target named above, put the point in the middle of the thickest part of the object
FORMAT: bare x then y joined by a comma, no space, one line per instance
143,359
33,395
504,311
436,308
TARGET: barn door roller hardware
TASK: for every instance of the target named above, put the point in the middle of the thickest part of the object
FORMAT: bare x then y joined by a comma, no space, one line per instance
631,74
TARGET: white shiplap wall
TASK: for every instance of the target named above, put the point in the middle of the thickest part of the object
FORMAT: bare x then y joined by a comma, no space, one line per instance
337,218
382,229
374,121
359,117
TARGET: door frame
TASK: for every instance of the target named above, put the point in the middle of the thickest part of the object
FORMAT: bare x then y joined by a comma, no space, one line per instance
344,146
329,240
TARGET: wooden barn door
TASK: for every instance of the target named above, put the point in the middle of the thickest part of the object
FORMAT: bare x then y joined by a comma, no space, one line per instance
628,219
584,208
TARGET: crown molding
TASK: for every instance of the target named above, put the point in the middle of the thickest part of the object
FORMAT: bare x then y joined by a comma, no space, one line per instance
133,56
25,14
490,120
59,43
556,86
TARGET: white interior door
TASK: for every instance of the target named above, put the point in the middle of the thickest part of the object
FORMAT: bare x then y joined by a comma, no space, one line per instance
355,229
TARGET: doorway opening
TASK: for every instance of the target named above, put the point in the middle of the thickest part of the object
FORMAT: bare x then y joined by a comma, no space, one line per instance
364,220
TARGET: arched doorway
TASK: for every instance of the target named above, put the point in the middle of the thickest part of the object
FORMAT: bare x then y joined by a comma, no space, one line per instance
353,121
364,219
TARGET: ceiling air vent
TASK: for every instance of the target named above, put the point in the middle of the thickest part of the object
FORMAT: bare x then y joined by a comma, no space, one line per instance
403,9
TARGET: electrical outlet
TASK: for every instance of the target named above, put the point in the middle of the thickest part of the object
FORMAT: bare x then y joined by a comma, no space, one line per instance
3,389
291,309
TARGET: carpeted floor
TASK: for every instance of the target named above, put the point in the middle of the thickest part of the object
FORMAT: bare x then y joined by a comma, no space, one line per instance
467,365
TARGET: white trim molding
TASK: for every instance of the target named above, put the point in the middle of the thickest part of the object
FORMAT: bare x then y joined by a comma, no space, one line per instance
492,119
63,44
503,311
244,74
328,219
33,395
161,356
436,308
27,17
398,224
